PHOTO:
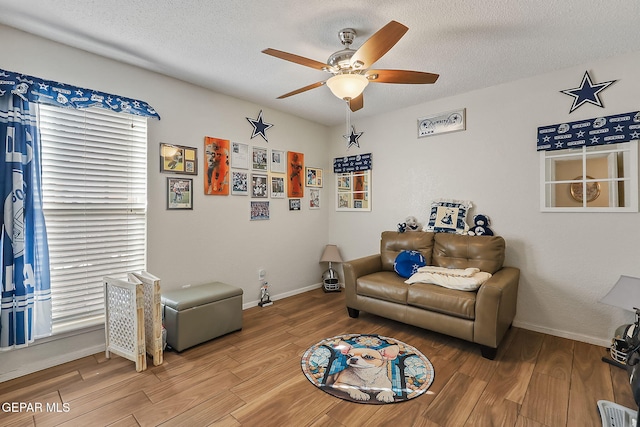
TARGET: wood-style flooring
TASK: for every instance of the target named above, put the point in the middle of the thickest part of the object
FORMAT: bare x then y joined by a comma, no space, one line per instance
253,378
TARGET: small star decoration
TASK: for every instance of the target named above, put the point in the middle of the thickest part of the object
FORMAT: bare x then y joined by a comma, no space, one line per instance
352,139
587,92
259,127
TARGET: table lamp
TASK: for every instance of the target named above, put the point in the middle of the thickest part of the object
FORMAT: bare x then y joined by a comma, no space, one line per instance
330,277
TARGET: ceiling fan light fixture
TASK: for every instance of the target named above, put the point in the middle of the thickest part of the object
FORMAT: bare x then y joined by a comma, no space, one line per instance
347,86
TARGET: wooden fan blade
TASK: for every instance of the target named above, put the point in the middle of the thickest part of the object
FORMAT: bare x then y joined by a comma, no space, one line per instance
378,44
302,89
357,103
401,76
296,59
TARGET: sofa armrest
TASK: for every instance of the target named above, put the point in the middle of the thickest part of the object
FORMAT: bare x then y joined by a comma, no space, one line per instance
358,268
496,306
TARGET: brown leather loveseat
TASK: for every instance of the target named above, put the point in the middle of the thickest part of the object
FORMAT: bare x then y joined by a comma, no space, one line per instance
482,316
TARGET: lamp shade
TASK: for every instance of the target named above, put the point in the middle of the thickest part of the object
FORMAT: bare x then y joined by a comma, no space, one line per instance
347,86
624,294
331,254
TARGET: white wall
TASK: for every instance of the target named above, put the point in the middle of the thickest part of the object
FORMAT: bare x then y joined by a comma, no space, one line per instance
216,240
568,261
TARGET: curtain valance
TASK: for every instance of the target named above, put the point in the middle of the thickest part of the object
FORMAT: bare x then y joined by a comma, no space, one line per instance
598,131
360,162
34,89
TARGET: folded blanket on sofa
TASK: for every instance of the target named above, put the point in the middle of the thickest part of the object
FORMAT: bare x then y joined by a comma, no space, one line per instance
461,283
460,272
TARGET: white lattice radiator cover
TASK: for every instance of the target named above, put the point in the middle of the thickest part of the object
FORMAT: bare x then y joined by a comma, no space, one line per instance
152,314
124,320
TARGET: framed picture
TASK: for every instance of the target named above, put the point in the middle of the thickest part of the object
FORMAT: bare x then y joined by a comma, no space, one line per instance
239,183
451,121
353,191
259,186
295,169
314,198
259,159
277,187
179,193
239,155
259,211
178,159
294,204
278,161
216,159
314,177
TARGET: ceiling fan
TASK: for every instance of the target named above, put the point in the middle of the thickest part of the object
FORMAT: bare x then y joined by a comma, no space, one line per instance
351,68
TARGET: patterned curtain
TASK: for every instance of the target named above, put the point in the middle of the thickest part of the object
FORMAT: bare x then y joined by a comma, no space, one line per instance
25,308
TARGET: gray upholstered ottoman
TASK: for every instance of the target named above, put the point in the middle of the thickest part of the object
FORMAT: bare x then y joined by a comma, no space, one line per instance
199,313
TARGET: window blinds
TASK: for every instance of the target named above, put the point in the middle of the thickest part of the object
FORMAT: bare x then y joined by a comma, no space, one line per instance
94,176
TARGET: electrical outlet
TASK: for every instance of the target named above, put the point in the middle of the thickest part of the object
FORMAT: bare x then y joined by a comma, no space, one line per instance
262,273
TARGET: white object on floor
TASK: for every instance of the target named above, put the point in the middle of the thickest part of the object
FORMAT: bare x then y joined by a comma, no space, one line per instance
614,415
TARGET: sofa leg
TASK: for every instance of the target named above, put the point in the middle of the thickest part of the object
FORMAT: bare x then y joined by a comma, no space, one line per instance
353,313
488,352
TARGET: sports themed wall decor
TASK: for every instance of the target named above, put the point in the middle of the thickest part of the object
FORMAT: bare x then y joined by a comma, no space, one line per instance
353,182
451,121
259,127
589,132
352,138
179,193
587,92
216,158
314,177
239,155
295,169
178,159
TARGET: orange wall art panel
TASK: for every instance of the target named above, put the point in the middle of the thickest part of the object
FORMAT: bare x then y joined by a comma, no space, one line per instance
216,159
295,172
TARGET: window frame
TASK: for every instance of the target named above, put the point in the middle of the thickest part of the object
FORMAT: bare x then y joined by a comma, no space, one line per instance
583,153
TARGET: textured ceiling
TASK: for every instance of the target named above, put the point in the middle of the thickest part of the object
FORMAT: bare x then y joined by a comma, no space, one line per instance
217,44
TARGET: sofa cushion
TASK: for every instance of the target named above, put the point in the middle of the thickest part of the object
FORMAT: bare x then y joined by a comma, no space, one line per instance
448,216
463,251
442,300
393,242
384,285
408,263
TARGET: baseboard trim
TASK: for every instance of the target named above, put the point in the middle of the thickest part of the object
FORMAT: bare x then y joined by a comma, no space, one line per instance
284,295
563,334
50,362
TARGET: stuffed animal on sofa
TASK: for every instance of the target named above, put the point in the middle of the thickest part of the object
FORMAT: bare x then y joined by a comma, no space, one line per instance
481,226
410,224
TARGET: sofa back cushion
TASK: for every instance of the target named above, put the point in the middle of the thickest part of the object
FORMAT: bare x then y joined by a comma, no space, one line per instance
393,242
464,251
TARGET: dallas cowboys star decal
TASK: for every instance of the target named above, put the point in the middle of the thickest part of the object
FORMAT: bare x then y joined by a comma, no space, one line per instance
587,92
259,127
352,139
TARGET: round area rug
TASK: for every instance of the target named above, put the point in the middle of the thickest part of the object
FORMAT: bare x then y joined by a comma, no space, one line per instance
368,369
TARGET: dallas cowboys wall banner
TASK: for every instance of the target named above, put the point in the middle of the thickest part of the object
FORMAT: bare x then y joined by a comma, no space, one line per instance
360,162
34,89
598,131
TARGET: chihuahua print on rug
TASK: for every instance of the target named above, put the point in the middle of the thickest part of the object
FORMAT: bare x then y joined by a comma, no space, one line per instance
366,370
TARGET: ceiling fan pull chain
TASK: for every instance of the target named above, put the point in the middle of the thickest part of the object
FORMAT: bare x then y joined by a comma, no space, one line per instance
346,103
